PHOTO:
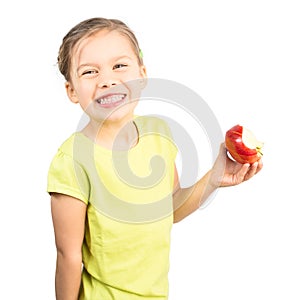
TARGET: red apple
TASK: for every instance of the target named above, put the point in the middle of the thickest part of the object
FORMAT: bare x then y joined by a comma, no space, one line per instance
242,145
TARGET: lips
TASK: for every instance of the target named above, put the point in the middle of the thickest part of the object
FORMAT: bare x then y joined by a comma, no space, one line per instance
111,100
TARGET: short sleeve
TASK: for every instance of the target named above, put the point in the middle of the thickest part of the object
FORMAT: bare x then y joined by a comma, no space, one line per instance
67,177
172,145
167,134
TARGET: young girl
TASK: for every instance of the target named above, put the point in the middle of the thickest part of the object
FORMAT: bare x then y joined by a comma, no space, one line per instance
114,185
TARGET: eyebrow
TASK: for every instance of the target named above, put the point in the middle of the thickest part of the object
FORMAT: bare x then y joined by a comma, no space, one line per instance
113,59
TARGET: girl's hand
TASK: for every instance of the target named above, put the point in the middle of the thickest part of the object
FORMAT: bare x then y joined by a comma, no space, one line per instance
226,172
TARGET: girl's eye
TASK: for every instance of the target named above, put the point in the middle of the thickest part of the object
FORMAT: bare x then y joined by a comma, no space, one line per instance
119,66
89,72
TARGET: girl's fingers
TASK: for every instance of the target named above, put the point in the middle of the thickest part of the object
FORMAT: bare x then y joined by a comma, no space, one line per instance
251,171
241,175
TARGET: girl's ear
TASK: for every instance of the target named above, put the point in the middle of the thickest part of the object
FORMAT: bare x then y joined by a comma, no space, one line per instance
143,71
143,81
71,92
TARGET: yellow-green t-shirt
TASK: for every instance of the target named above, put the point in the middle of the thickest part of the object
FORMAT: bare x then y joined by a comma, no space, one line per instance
129,211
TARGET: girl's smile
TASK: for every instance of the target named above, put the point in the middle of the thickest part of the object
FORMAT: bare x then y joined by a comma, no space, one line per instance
111,100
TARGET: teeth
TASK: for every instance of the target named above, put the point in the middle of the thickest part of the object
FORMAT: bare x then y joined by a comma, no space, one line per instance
110,99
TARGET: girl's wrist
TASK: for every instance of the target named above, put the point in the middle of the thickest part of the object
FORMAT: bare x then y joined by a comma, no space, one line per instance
214,181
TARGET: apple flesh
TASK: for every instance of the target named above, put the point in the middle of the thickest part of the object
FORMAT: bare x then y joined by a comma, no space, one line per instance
242,145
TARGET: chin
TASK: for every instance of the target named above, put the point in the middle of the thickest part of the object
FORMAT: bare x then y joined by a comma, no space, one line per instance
122,114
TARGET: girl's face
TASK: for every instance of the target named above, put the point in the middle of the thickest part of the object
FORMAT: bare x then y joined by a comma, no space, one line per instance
106,79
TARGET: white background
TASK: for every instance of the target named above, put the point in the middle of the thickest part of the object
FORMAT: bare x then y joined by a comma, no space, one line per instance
242,57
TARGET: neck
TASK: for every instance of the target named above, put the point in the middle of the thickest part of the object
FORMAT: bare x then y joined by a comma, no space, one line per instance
117,134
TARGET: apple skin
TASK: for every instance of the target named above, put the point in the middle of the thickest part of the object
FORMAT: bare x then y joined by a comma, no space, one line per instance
237,149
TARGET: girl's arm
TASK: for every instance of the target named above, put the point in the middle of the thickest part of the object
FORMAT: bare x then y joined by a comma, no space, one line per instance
68,216
224,172
188,200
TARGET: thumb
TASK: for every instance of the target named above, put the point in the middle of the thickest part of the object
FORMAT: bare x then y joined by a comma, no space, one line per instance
222,150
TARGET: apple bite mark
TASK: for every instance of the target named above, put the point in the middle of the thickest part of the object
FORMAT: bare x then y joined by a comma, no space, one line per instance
251,142
242,145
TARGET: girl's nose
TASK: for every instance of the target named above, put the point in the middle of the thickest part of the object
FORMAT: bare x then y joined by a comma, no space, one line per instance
107,83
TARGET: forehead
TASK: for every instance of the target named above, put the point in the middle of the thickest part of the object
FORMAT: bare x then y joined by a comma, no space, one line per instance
103,43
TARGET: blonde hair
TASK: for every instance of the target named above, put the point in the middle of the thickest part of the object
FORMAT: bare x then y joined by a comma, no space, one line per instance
85,29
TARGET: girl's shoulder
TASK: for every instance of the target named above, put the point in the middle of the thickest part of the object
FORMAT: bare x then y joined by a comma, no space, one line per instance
67,147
